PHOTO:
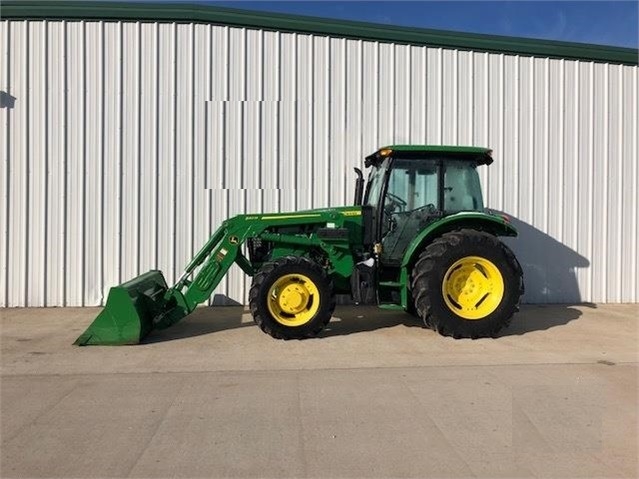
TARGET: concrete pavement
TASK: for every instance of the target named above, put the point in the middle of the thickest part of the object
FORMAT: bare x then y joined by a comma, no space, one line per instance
376,396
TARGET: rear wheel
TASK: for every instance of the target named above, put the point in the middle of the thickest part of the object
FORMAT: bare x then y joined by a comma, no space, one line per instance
467,284
291,298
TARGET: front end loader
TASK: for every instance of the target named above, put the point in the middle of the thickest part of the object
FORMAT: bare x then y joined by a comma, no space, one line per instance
416,239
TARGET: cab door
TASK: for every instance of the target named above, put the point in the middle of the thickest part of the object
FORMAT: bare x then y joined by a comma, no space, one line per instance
409,204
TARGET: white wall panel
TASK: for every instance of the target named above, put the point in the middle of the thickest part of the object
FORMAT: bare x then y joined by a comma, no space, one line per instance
129,142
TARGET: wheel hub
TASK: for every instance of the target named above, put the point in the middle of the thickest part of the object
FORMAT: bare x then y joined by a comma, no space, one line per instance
293,300
473,287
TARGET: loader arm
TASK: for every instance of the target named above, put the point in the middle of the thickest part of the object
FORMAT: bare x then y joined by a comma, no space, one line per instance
136,307
223,249
217,256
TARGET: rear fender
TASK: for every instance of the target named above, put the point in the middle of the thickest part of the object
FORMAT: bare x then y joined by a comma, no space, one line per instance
497,225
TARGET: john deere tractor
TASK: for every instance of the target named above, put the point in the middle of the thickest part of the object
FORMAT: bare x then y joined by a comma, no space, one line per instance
416,239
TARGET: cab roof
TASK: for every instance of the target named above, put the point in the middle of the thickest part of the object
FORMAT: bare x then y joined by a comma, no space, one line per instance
482,156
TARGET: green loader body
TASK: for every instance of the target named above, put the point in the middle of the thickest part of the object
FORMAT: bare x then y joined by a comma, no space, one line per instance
300,260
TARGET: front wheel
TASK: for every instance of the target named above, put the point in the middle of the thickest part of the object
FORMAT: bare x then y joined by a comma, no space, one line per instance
467,284
291,298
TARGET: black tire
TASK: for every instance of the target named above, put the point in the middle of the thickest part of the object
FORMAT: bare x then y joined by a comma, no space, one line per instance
266,278
428,277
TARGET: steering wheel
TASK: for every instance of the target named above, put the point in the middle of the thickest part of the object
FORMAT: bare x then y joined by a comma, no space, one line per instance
420,212
395,201
430,207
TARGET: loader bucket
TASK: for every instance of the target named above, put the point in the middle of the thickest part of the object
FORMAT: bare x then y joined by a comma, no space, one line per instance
129,312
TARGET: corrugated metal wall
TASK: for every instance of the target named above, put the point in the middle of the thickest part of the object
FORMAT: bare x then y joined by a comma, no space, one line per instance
125,144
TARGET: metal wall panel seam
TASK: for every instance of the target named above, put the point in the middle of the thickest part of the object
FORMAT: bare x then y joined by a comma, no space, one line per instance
4,269
546,160
344,122
531,139
242,131
329,111
626,289
207,147
194,139
138,152
47,161
455,107
576,164
106,147
311,113
117,222
101,166
635,154
606,170
562,143
509,136
29,163
75,162
629,150
86,253
440,104
487,125
63,269
13,32
40,182
225,102
377,93
360,102
471,97
591,212
501,144
83,160
408,93
278,115
619,246
33,257
295,119
582,163
174,114
55,208
156,152
14,44
516,133
261,112
12,163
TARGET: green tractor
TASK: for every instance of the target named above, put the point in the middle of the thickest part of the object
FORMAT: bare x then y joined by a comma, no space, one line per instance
416,239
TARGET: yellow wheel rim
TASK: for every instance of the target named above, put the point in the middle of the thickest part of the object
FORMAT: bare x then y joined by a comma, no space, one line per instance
473,287
293,300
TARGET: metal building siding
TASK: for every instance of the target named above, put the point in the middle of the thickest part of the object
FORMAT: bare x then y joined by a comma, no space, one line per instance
129,142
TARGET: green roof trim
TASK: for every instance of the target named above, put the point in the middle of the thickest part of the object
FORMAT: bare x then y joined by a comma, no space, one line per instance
481,155
473,150
198,13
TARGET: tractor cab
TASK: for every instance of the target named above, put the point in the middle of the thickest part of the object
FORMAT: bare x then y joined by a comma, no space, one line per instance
411,186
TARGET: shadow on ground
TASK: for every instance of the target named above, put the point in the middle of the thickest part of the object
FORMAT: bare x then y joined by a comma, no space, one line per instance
204,320
541,317
352,320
